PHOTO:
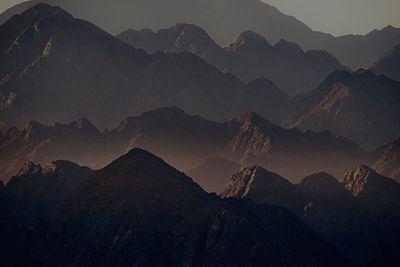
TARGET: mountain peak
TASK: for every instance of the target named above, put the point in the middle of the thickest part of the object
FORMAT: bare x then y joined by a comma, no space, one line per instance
258,184
138,160
83,123
289,46
363,182
249,39
322,183
42,11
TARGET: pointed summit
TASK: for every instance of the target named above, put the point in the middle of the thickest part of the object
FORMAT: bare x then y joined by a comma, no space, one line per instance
258,184
248,39
365,183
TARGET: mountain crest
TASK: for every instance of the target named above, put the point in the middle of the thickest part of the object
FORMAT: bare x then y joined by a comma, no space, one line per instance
362,181
30,168
248,39
256,183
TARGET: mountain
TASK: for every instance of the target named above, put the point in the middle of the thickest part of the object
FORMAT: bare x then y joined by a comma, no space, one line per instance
353,104
185,141
46,54
249,57
225,20
329,208
260,185
78,141
214,173
387,160
366,184
389,64
139,211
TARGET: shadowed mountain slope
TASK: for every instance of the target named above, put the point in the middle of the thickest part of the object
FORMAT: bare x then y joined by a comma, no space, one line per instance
361,106
389,64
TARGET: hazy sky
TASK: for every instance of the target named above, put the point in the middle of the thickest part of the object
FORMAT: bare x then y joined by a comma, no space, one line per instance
332,16
342,16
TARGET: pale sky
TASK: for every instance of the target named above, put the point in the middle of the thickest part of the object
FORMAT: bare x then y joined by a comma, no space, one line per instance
332,16
342,16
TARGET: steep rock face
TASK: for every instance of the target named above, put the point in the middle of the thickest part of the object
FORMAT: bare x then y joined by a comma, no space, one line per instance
326,205
260,185
389,64
225,21
387,160
55,68
184,141
249,57
366,184
353,104
140,211
214,173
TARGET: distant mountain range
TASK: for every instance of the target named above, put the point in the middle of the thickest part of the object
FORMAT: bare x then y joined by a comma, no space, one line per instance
184,141
361,106
389,64
249,57
224,21
55,68
355,215
139,211
41,81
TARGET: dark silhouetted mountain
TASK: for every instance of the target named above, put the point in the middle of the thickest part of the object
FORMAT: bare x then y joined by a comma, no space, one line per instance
387,161
389,64
249,57
139,211
360,105
55,68
214,173
225,21
325,204
185,141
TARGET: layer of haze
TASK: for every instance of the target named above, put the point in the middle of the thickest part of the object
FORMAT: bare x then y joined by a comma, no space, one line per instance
332,16
340,17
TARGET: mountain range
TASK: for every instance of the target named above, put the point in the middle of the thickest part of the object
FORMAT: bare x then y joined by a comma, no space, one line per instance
247,139
249,57
55,68
225,20
41,81
355,214
139,211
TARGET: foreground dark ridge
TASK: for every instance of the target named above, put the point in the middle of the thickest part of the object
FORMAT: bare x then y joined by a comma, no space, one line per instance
139,211
185,141
359,215
221,20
